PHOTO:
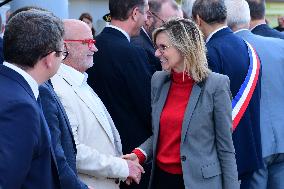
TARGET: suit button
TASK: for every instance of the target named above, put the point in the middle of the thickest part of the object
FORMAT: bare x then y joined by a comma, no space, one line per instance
116,181
183,158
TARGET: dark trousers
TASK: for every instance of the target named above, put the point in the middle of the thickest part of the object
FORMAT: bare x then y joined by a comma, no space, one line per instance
164,180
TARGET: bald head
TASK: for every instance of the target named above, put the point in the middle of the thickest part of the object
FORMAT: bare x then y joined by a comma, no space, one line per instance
79,43
76,29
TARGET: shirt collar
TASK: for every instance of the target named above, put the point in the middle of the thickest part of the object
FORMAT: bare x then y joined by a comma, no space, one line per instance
256,26
30,80
211,34
121,30
241,30
73,76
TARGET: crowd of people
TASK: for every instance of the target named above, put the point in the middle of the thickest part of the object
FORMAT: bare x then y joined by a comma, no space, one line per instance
166,96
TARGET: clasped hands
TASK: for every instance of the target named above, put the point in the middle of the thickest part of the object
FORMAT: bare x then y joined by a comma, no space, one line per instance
135,169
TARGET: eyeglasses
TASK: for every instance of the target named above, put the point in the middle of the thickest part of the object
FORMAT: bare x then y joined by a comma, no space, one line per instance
163,48
156,16
64,54
90,42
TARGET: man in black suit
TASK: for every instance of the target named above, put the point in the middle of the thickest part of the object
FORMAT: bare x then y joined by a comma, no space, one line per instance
228,55
119,75
33,52
159,12
258,25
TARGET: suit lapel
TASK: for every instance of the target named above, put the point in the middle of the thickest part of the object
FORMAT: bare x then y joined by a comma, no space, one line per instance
92,107
98,112
194,96
157,114
49,85
145,36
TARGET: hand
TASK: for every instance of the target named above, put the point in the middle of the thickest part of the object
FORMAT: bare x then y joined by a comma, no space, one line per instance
135,170
132,157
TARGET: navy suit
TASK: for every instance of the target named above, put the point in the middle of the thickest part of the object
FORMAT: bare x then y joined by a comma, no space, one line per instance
146,43
61,136
266,31
26,154
120,78
228,54
1,51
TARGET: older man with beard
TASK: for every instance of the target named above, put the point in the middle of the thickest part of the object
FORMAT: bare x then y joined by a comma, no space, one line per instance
97,140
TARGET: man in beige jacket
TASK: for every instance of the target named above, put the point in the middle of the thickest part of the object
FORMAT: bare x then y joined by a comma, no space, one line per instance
97,140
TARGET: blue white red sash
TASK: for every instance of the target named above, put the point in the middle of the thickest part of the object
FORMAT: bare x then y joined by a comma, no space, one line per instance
242,99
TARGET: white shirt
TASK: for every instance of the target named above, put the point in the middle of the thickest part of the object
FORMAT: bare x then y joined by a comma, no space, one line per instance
241,30
121,30
211,34
30,80
256,26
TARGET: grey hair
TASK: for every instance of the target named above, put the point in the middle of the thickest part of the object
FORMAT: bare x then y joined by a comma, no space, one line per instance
188,39
238,12
186,6
31,35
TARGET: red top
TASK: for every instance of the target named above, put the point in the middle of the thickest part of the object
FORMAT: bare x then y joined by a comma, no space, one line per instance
168,151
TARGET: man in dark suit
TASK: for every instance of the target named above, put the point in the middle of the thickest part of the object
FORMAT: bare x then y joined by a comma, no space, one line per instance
33,52
159,12
228,54
271,54
61,137
119,75
257,24
1,42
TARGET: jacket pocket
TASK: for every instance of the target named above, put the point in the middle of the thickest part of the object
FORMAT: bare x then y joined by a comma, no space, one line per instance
211,170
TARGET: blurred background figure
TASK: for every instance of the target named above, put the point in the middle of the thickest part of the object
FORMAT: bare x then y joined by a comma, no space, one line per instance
258,24
280,26
88,19
159,12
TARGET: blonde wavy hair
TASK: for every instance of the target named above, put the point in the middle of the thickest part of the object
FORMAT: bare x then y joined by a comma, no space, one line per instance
188,39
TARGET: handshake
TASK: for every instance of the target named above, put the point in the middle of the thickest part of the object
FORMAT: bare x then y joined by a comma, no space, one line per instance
135,169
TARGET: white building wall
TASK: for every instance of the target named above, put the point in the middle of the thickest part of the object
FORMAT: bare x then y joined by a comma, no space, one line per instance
97,8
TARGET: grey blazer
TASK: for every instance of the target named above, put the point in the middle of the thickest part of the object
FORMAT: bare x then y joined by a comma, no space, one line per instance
271,54
207,151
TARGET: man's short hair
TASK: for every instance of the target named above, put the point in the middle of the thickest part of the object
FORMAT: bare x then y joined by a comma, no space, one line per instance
211,11
31,35
257,9
156,5
120,9
26,8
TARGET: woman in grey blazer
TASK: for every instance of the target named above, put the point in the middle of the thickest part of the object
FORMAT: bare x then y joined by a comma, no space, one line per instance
191,146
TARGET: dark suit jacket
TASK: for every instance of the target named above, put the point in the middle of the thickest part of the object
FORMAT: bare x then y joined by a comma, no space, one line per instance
228,54
122,81
61,136
266,31
146,43
1,51
26,153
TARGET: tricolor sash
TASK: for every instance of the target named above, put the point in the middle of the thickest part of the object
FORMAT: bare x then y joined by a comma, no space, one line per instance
243,97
